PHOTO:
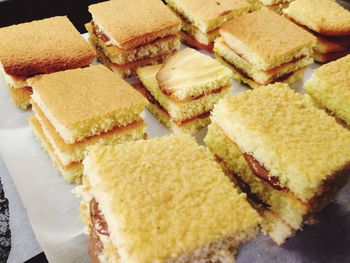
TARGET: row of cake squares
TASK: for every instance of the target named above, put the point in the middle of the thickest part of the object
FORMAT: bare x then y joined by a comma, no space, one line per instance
260,47
273,160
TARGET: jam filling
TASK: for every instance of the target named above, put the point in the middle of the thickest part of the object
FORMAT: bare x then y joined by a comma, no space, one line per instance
196,44
246,189
261,172
98,33
97,219
245,75
140,88
95,246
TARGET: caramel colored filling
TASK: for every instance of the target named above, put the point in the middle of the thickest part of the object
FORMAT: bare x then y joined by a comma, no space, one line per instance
98,221
95,246
194,43
261,172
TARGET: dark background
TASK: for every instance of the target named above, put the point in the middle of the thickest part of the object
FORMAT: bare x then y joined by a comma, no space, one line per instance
19,11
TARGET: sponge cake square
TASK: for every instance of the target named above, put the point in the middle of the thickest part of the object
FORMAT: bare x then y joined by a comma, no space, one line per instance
43,46
266,39
129,24
85,102
326,17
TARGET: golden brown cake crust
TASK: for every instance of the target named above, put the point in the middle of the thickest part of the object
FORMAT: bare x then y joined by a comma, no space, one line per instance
131,27
81,94
43,46
267,34
326,17
207,10
21,97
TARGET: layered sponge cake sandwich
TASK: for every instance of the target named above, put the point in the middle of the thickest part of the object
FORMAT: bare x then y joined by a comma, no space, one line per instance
183,90
289,157
78,108
39,47
130,34
262,48
162,200
329,89
328,21
202,18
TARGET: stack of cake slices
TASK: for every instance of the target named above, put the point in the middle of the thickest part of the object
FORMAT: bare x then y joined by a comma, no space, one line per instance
202,18
126,37
39,47
162,200
262,48
329,89
184,89
78,108
289,157
328,21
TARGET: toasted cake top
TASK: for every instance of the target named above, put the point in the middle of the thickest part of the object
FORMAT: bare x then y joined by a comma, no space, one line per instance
330,86
209,14
266,39
298,143
43,46
189,74
74,96
167,191
129,24
326,17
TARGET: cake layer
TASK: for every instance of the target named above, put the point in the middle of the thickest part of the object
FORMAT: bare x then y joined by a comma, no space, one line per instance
69,153
283,203
325,58
276,228
191,125
266,39
192,42
202,38
84,102
329,86
326,17
71,173
282,133
128,70
241,76
120,56
325,44
259,76
21,97
209,15
13,81
190,200
43,46
189,74
133,27
179,111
